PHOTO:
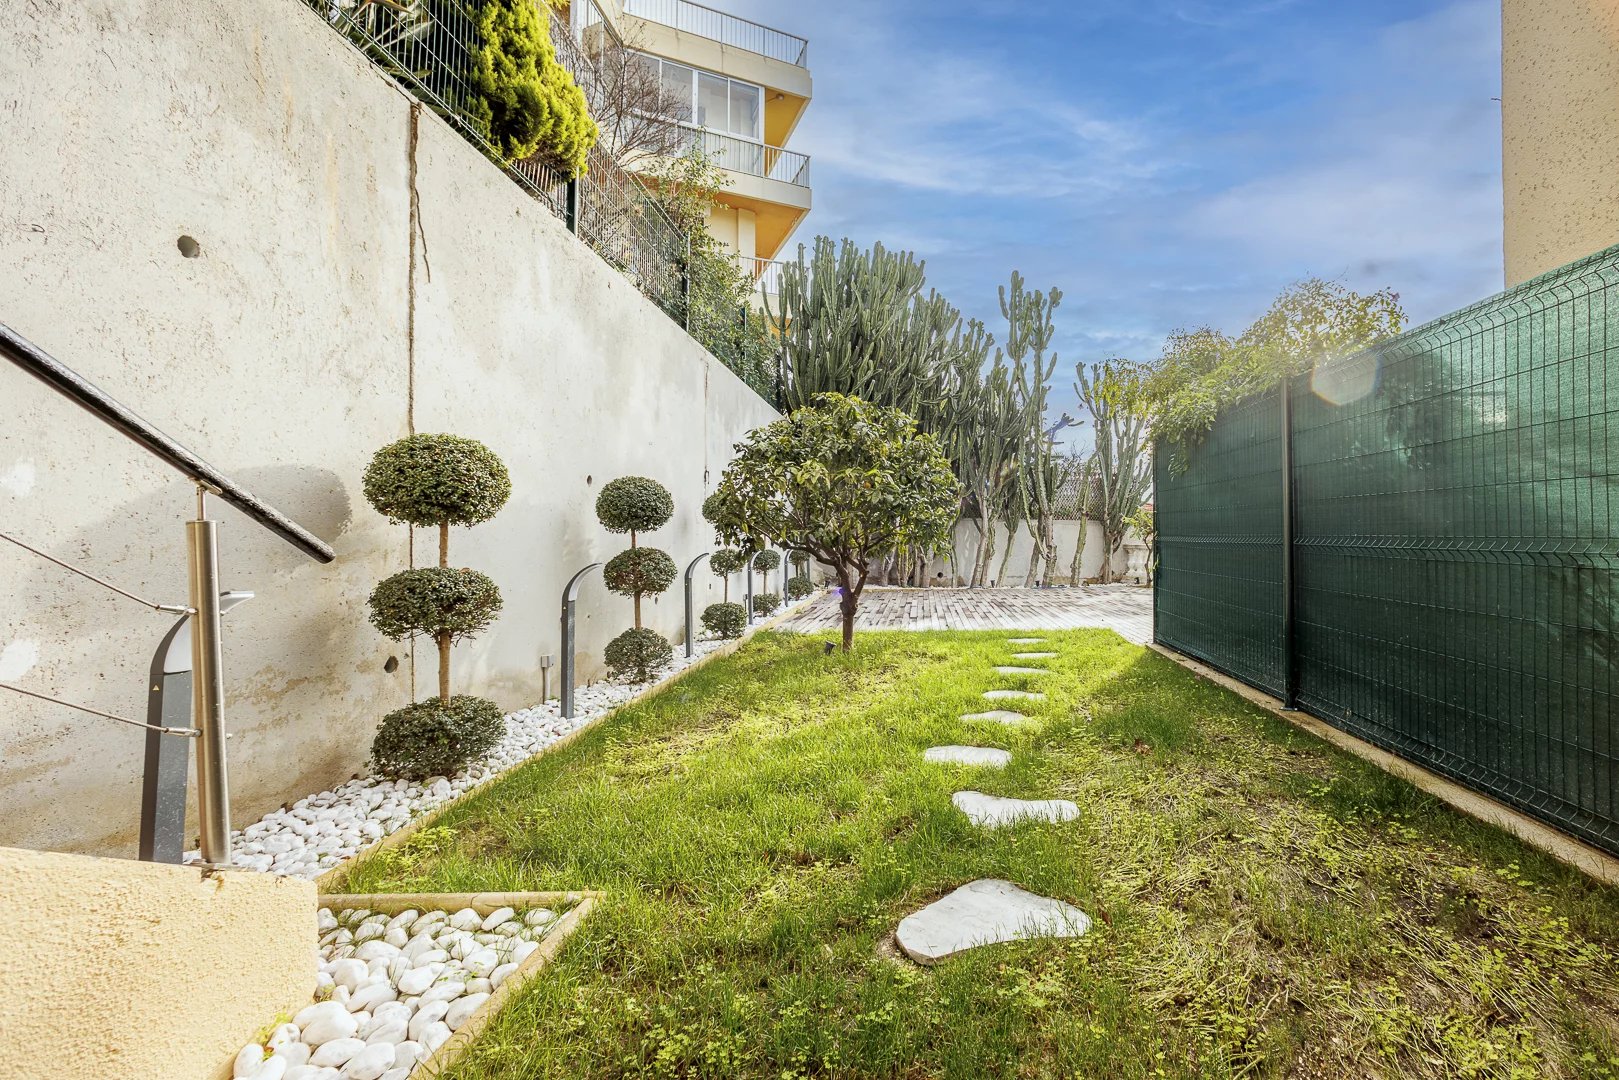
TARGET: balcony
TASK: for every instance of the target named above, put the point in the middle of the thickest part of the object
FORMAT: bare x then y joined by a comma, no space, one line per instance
750,158
727,29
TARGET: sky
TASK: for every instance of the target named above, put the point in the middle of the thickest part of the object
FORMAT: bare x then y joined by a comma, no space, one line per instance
1166,163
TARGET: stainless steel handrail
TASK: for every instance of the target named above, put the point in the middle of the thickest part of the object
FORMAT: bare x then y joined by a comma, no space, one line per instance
79,390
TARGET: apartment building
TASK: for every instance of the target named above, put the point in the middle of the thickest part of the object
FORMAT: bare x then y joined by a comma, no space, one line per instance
1559,131
739,90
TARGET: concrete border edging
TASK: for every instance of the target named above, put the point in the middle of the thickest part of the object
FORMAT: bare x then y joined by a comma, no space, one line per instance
484,904
1566,849
400,835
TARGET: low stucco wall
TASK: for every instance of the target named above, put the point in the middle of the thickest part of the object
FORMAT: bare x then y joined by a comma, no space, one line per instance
1559,131
968,543
361,272
115,968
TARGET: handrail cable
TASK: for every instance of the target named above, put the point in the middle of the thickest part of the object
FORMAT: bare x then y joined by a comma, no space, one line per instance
175,609
189,733
120,417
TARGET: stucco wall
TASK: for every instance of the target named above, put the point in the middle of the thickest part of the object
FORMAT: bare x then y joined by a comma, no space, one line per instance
1560,131
968,540
119,968
285,353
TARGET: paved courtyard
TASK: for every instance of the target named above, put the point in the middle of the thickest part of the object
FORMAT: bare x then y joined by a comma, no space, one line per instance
1126,609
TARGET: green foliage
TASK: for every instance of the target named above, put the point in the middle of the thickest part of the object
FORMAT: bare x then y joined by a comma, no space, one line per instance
524,102
845,482
639,571
1116,395
427,480
727,561
634,504
716,306
799,587
1203,370
766,561
436,737
765,603
637,654
435,600
725,620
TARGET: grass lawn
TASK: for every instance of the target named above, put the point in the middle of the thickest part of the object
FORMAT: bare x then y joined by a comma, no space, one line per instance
1264,904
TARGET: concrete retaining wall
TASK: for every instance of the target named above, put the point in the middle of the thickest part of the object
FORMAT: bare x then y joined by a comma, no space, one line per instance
310,329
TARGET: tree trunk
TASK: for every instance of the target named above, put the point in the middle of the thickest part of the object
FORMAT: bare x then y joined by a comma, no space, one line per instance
638,611
444,666
848,601
1076,571
1034,564
1006,556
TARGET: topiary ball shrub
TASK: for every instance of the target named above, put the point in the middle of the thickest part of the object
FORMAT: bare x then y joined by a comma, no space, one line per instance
634,504
799,587
434,600
765,603
427,480
432,738
637,654
766,561
639,570
727,561
725,620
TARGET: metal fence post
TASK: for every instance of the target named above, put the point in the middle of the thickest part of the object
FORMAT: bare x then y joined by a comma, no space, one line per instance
1289,653
747,572
569,595
207,685
572,212
168,705
691,629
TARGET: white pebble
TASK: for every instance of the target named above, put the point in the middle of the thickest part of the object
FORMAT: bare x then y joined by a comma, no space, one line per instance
496,917
336,1053
435,1036
466,919
426,1016
348,972
407,1054
416,981
370,1063
462,1010
248,1061
482,962
499,975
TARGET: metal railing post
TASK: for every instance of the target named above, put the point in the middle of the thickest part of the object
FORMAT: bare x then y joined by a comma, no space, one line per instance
569,595
691,629
572,216
207,685
747,572
1290,696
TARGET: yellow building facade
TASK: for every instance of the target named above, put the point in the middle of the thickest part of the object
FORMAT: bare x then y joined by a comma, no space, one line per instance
1559,131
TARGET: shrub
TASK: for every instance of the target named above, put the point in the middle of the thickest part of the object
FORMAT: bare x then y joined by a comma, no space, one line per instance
725,620
724,563
639,570
436,737
633,504
799,587
427,480
435,600
766,603
766,561
636,654
525,102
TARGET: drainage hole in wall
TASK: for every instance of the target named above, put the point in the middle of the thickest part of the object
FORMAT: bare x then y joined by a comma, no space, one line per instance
189,247
391,664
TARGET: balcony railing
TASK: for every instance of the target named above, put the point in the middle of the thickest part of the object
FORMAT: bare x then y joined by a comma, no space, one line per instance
766,273
754,159
722,27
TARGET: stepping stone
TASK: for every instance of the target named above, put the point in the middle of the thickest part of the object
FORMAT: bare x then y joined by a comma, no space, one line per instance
985,912
968,755
1034,656
1026,641
1000,716
994,811
1010,670
1005,695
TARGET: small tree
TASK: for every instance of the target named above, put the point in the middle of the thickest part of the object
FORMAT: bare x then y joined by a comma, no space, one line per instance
844,482
763,563
430,481
799,587
726,562
765,604
636,504
725,620
525,102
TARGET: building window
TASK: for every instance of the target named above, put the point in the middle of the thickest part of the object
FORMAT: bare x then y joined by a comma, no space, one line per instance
712,101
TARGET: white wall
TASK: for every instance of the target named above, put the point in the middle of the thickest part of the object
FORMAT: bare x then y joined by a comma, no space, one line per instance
285,354
968,540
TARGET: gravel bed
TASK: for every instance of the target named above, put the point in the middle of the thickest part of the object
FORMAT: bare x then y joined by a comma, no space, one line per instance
391,989
316,833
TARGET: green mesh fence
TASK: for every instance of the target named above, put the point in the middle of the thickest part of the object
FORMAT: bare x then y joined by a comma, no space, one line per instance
1456,533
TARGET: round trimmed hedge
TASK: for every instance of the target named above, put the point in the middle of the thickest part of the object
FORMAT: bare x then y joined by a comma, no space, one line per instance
642,570
727,561
634,504
432,738
637,654
767,560
799,587
427,480
725,620
765,603
434,600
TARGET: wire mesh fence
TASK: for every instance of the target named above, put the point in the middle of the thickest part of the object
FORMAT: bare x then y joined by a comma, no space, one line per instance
429,47
1456,535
